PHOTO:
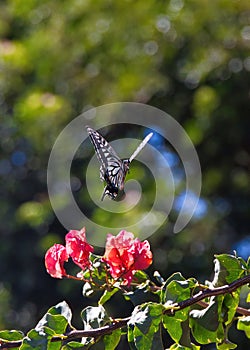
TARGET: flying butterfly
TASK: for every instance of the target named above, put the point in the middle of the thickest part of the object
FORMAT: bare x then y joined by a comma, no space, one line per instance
113,170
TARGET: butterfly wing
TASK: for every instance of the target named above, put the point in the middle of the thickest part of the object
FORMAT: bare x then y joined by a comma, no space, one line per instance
105,153
141,146
112,167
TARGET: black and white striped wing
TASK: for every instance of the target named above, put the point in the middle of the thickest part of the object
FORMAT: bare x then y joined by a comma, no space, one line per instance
112,169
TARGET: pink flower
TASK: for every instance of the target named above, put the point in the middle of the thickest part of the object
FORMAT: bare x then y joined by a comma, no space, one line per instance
125,255
142,255
54,260
78,248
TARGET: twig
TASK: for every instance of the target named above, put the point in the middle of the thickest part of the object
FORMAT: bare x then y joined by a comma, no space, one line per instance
212,292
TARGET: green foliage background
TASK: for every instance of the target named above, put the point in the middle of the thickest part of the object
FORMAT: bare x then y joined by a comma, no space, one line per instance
59,58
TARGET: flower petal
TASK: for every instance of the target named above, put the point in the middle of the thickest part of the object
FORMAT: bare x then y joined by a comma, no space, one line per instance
54,260
78,248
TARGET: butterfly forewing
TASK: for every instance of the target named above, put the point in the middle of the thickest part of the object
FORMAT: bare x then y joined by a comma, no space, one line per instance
105,153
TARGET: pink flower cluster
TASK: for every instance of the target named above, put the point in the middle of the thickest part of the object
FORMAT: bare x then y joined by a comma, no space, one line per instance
76,247
124,255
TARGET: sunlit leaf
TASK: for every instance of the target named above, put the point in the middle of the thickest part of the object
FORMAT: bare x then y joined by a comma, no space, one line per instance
244,325
227,269
112,340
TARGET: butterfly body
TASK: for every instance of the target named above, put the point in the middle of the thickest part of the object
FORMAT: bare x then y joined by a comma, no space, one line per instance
113,170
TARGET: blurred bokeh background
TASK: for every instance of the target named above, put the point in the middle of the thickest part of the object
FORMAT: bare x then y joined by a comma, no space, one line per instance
60,58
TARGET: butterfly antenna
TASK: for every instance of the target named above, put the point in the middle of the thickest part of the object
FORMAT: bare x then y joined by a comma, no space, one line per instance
141,146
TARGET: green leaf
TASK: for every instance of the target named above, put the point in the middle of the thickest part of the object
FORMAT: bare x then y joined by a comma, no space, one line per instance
227,269
226,345
248,298
107,295
98,271
206,325
73,345
139,296
112,340
144,324
39,340
243,263
94,317
140,276
177,291
248,263
177,276
11,335
177,288
157,340
244,325
62,309
54,322
178,327
229,306
180,347
96,278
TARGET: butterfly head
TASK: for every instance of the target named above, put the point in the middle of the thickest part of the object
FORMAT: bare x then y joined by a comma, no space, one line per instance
126,164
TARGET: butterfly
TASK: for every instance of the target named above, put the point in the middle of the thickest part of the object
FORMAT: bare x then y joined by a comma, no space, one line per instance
113,170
